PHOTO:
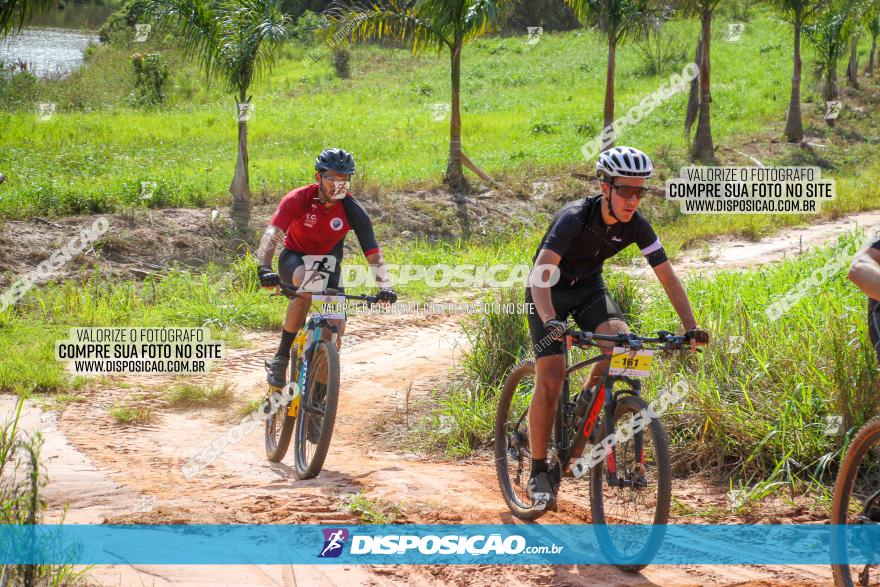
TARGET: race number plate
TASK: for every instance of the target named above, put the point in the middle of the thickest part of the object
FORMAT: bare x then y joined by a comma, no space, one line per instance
332,307
631,363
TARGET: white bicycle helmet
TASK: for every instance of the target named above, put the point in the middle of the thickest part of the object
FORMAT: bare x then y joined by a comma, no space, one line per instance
624,162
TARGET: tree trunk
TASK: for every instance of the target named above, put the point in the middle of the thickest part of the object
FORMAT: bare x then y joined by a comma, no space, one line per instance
830,90
693,105
870,68
240,186
794,127
454,177
609,82
852,70
703,149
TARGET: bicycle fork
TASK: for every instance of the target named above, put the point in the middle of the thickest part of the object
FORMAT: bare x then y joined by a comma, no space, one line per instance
629,478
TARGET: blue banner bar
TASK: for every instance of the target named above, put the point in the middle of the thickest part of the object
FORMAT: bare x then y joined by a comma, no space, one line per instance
440,544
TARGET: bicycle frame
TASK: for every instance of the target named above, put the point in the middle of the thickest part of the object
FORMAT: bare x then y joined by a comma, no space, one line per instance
315,325
573,436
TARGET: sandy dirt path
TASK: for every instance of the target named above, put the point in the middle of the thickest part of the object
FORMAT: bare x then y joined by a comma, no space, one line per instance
729,253
107,472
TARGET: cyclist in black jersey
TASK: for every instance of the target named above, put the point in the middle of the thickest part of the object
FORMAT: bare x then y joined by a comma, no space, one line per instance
582,235
865,273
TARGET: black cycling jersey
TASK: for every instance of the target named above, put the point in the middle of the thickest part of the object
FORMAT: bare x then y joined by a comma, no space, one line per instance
580,236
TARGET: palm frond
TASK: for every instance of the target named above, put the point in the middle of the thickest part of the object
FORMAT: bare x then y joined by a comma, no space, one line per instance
624,19
236,41
391,20
199,26
16,14
481,17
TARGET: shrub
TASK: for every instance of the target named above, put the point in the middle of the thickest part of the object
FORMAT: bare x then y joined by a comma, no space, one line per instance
304,30
342,61
150,79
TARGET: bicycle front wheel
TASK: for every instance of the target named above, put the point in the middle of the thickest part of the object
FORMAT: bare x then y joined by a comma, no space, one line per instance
317,411
857,501
632,486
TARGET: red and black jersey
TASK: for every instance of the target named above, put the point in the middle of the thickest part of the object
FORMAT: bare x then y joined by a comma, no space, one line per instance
314,229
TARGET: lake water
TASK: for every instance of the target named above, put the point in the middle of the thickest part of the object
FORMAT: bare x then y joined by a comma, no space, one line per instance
47,51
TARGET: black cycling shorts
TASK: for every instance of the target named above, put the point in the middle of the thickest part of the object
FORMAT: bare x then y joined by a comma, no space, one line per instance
589,305
288,261
874,325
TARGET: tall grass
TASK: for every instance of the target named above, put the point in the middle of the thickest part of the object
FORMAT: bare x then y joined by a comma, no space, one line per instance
21,503
759,393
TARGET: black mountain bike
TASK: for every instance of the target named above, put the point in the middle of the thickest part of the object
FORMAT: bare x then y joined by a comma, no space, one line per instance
307,404
630,479
857,502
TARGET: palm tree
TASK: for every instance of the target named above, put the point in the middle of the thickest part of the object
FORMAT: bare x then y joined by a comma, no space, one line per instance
619,21
17,14
874,28
852,68
423,25
237,41
800,11
829,35
703,148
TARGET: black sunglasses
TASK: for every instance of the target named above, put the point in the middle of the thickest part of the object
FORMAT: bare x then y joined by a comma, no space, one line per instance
628,192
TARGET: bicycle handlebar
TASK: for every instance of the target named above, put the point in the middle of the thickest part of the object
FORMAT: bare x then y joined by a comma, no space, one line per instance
669,340
292,292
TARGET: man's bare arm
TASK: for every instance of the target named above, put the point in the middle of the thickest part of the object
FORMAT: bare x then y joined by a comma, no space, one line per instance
268,241
677,295
541,295
865,272
380,270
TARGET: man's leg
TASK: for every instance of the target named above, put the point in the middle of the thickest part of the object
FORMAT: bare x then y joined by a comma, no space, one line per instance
609,327
290,270
549,377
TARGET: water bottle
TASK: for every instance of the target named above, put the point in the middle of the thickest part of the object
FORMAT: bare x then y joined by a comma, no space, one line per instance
583,400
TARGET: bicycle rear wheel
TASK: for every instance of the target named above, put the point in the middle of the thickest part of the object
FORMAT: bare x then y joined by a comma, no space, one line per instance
317,411
641,494
513,457
857,501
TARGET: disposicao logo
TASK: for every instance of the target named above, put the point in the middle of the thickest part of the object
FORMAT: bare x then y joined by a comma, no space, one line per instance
334,538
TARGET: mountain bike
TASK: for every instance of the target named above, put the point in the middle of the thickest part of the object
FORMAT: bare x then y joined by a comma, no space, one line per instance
307,404
630,476
857,502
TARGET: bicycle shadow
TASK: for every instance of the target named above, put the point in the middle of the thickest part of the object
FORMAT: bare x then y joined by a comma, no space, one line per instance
327,479
592,575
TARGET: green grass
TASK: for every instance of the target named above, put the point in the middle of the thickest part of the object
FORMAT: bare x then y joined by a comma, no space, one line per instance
133,414
372,511
525,108
757,412
22,502
250,406
187,395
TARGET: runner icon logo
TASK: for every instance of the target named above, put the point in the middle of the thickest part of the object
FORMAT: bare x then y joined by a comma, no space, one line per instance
318,270
334,539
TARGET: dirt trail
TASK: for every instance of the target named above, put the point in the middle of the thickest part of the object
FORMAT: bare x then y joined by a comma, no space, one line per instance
728,253
112,473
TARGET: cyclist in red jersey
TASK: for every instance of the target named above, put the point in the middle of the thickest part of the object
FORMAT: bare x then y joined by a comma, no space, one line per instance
315,219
